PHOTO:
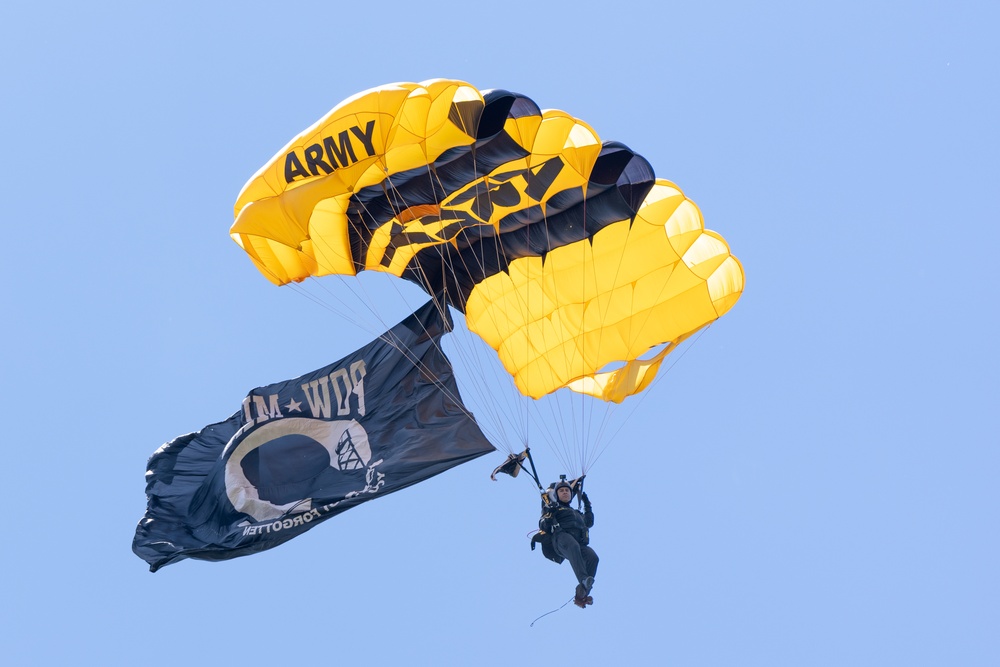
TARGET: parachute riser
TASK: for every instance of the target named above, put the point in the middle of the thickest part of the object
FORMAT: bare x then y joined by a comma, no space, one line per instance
534,473
577,483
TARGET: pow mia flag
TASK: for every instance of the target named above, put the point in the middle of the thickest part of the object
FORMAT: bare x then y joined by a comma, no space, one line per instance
301,451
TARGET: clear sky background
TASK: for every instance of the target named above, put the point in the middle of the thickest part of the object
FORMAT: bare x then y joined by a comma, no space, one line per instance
815,482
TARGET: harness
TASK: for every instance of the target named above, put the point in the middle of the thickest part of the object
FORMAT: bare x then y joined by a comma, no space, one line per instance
547,524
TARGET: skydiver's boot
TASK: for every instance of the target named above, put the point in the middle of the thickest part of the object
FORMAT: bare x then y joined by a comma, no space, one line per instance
583,597
580,600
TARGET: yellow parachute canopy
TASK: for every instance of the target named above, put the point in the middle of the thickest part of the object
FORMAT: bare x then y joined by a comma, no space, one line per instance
565,253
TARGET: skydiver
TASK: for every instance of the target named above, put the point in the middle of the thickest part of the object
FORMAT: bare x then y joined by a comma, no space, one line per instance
563,534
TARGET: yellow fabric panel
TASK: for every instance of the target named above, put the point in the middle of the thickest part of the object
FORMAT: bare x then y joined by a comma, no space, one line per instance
523,130
279,263
329,240
440,132
268,220
360,142
570,138
403,254
560,322
726,285
378,104
421,130
616,386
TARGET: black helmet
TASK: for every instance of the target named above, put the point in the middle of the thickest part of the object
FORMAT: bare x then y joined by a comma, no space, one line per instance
563,483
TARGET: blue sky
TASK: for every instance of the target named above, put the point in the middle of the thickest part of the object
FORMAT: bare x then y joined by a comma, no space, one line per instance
813,483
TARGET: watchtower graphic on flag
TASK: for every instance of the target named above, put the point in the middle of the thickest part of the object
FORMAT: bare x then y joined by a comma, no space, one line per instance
348,457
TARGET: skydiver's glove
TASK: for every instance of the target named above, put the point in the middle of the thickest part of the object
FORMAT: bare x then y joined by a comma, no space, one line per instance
586,501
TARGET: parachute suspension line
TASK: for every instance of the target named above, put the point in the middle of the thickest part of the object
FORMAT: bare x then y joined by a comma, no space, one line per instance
350,315
553,436
471,349
361,295
598,443
599,411
402,349
551,433
526,401
464,343
407,354
569,406
576,448
635,328
587,414
441,301
356,287
300,289
520,403
346,314
491,376
648,390
563,445
552,427
588,406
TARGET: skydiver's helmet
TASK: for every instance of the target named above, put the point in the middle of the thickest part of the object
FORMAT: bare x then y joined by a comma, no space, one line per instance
553,491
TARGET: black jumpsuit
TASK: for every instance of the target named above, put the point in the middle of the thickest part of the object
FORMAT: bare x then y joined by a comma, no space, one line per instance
570,537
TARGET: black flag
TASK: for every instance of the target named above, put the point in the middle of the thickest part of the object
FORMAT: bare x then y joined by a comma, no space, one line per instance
301,451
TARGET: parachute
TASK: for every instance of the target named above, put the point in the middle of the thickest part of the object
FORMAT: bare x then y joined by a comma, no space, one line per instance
565,253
